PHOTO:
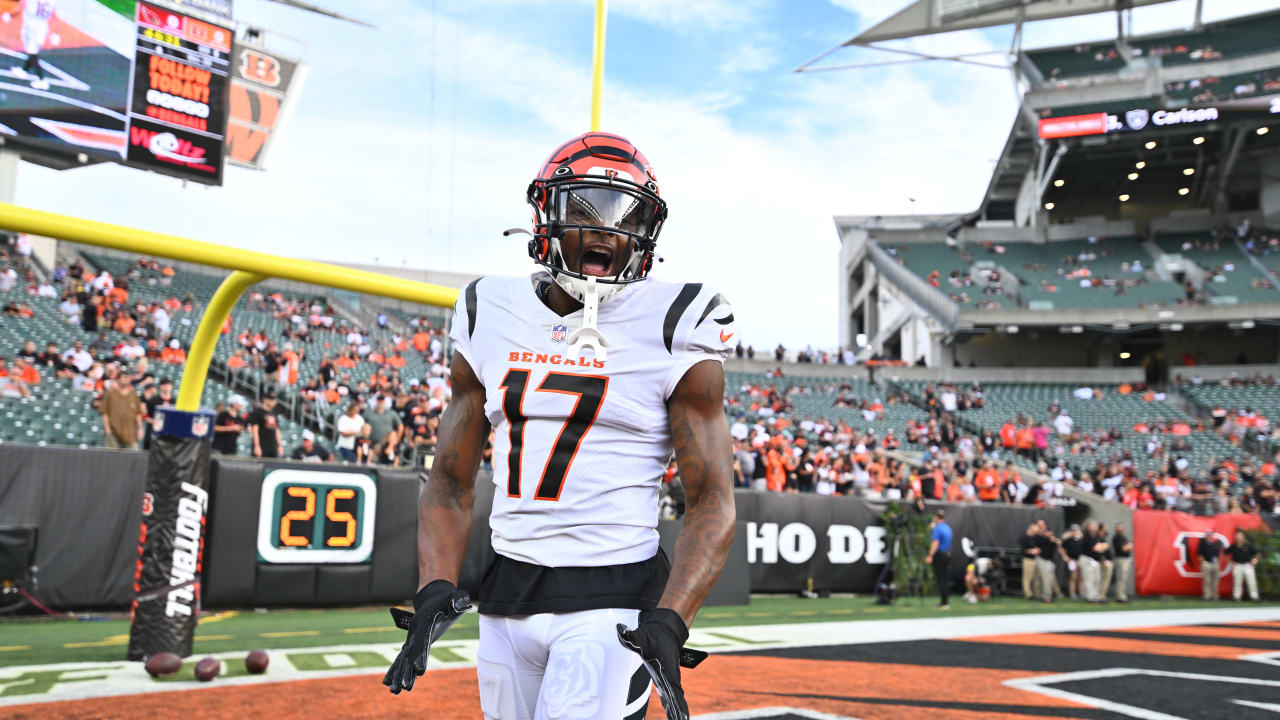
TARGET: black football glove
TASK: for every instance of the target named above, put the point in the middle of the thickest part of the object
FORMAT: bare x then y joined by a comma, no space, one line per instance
436,606
659,641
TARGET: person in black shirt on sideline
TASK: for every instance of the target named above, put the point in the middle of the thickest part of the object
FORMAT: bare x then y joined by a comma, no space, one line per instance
1123,549
227,427
1210,571
1045,569
1091,562
1108,563
1244,561
1073,547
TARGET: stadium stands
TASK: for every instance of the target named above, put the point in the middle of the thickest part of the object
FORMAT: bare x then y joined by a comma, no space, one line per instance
1086,273
949,269
833,422
1211,89
1231,272
1236,38
1133,416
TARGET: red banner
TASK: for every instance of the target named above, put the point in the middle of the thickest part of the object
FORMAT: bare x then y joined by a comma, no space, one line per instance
1166,559
1073,126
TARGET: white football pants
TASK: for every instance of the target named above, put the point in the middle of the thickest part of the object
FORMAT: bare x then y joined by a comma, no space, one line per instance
560,665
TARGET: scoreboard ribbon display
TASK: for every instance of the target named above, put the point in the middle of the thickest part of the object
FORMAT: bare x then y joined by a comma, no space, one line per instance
178,109
316,516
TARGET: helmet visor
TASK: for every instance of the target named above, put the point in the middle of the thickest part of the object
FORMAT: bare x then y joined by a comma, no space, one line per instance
612,208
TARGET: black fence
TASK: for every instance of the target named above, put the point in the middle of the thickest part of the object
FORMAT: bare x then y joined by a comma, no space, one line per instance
87,504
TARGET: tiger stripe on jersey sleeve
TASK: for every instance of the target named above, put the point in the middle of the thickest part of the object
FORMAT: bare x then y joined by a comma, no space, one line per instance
676,311
470,294
715,302
463,326
703,333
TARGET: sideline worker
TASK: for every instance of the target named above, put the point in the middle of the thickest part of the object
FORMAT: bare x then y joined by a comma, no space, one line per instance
940,556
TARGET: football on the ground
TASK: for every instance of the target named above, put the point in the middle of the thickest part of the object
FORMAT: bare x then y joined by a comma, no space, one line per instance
208,669
256,661
163,665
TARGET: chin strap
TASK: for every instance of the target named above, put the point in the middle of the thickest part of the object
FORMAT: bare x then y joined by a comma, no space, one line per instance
588,335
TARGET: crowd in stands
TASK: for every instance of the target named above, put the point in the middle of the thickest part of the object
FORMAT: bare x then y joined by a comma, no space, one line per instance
789,434
1234,38
1212,89
1147,465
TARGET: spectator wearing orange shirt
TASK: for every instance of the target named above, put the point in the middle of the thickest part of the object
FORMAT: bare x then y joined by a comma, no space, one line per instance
124,324
988,484
1008,436
174,354
1026,440
890,442
775,470
289,365
236,361
422,341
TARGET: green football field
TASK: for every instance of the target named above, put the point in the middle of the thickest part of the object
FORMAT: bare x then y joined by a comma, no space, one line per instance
40,640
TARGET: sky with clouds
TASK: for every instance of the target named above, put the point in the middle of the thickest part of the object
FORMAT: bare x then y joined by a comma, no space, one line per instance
412,143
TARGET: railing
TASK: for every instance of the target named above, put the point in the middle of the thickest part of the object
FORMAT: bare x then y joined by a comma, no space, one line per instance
929,298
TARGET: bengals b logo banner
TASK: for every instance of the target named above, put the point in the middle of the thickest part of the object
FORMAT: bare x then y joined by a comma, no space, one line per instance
1166,560
259,67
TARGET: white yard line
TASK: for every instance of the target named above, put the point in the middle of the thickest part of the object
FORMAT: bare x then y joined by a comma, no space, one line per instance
103,679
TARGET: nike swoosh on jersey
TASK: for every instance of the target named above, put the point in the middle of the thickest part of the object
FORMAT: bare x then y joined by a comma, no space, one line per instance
725,338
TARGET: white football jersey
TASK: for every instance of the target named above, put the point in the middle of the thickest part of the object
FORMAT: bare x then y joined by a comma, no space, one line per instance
580,447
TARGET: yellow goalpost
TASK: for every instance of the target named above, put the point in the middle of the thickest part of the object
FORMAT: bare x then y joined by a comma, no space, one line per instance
248,266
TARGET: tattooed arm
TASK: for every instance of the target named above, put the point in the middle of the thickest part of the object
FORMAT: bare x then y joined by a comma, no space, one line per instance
704,454
445,503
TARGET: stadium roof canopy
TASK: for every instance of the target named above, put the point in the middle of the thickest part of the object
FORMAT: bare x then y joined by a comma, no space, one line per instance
930,17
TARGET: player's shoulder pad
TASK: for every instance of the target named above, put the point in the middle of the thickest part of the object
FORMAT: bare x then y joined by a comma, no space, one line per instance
699,315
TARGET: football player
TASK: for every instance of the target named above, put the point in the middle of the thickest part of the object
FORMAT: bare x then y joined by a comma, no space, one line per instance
36,16
580,609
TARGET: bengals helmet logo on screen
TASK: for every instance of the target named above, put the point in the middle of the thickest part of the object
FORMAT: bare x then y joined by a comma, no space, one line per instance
259,67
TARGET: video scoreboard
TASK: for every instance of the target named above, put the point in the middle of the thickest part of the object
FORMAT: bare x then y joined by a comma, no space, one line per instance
143,83
1140,116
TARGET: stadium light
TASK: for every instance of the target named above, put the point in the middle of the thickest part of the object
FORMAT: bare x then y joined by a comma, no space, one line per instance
1151,145
1184,191
1059,183
1189,171
1124,197
1263,130
1049,206
1198,141
1124,356
1133,176
1140,164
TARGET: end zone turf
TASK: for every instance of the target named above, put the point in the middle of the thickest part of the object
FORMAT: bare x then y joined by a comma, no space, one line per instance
947,667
